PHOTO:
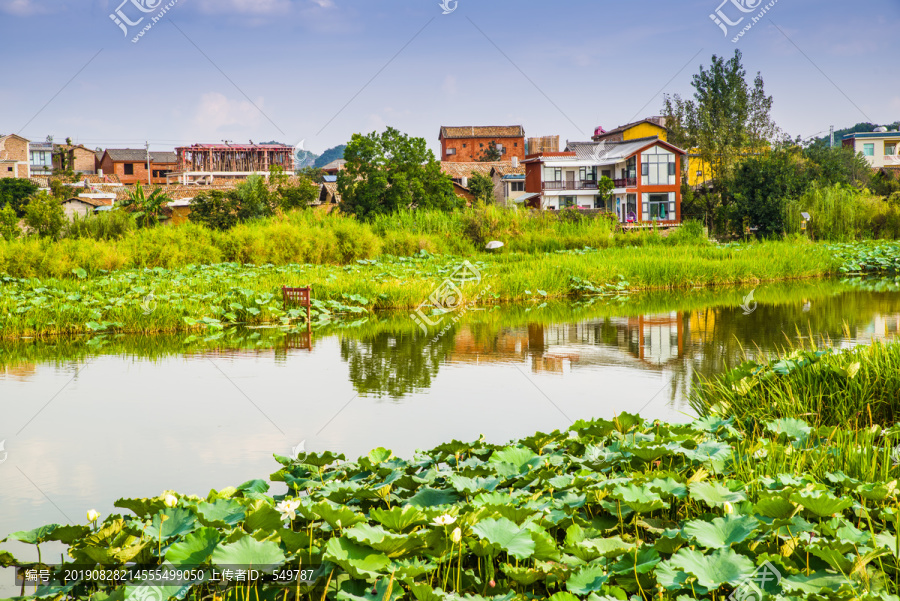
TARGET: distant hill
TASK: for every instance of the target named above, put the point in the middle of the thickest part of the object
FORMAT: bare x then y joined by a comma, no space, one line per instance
306,158
332,154
839,134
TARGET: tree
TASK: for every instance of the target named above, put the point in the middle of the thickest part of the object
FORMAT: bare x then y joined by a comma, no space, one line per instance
15,192
9,223
763,185
45,216
147,209
391,171
839,165
215,209
605,186
482,187
726,120
299,195
490,154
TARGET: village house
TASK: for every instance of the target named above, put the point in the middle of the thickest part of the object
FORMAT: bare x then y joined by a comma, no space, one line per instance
81,206
645,128
334,167
509,182
40,158
880,147
645,174
204,163
130,165
467,144
14,157
80,159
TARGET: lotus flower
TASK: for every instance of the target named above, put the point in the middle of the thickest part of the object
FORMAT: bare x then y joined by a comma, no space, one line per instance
457,535
170,500
93,515
729,508
444,520
288,509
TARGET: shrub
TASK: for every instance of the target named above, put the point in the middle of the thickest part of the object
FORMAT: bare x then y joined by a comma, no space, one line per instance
44,215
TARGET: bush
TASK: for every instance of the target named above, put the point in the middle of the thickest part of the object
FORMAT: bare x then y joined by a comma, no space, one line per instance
45,216
107,225
9,223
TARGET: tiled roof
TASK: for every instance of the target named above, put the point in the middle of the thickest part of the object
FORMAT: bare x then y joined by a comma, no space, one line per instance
622,128
329,189
507,169
140,154
94,202
460,170
335,164
488,131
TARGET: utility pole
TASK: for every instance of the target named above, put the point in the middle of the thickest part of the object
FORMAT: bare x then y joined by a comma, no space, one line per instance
832,137
149,173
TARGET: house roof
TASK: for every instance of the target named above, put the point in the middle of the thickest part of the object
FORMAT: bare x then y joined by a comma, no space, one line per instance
486,131
335,164
329,189
627,126
94,202
2,137
468,169
119,155
872,134
506,169
612,152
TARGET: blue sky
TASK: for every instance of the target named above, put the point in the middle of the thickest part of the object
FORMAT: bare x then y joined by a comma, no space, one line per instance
285,69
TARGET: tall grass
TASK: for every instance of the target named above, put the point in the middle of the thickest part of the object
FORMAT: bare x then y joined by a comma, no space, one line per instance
853,388
843,214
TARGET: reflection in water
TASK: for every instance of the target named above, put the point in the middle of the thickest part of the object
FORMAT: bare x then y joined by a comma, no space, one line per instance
684,343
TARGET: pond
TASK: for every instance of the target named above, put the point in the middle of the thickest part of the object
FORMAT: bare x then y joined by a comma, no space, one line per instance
87,421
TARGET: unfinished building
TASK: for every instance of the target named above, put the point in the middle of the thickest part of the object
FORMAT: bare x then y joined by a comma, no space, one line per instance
203,163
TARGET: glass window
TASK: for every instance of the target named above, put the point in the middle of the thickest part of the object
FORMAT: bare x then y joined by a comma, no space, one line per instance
869,149
452,151
518,186
890,149
129,168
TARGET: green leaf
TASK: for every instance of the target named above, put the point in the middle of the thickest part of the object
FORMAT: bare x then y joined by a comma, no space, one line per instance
639,497
794,429
722,532
714,494
249,552
195,549
357,560
398,519
222,512
171,522
431,497
506,535
586,580
821,503
815,583
36,536
722,566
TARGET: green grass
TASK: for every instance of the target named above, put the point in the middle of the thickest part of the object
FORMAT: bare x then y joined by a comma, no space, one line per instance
200,295
854,388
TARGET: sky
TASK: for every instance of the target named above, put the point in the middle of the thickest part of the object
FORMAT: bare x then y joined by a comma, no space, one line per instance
318,71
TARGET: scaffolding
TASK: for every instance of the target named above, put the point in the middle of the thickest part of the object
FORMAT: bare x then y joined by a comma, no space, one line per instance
233,158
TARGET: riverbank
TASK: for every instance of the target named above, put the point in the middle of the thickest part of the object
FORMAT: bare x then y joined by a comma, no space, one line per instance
199,297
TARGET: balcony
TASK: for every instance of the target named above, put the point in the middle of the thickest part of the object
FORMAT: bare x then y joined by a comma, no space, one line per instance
892,159
575,184
627,182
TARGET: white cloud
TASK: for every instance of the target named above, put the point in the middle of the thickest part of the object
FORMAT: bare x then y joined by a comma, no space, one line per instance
218,114
21,8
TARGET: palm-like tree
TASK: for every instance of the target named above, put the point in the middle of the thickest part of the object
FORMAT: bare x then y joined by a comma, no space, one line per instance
146,208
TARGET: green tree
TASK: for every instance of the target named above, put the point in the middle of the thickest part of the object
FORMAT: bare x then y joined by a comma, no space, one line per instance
255,200
490,154
482,187
44,215
726,120
330,155
764,184
391,171
15,192
9,223
605,186
298,195
215,209
838,165
147,209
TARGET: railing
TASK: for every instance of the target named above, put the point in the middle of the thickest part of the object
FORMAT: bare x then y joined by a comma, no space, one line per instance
586,184
892,159
628,182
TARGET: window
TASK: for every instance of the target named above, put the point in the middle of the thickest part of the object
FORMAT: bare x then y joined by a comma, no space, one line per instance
517,186
890,149
658,167
9,168
606,173
129,168
464,144
588,174
567,201
657,207
481,145
869,149
452,151
515,144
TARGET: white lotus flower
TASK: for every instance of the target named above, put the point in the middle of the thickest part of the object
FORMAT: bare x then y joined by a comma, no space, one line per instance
729,508
288,509
457,535
444,520
93,515
170,500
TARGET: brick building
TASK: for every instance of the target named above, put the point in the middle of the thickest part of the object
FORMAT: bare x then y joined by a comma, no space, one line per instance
130,165
14,159
466,144
82,160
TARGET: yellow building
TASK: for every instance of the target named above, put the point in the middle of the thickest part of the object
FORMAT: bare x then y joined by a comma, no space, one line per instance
645,128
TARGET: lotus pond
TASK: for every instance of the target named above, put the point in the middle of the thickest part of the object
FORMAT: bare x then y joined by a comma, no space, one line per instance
667,507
